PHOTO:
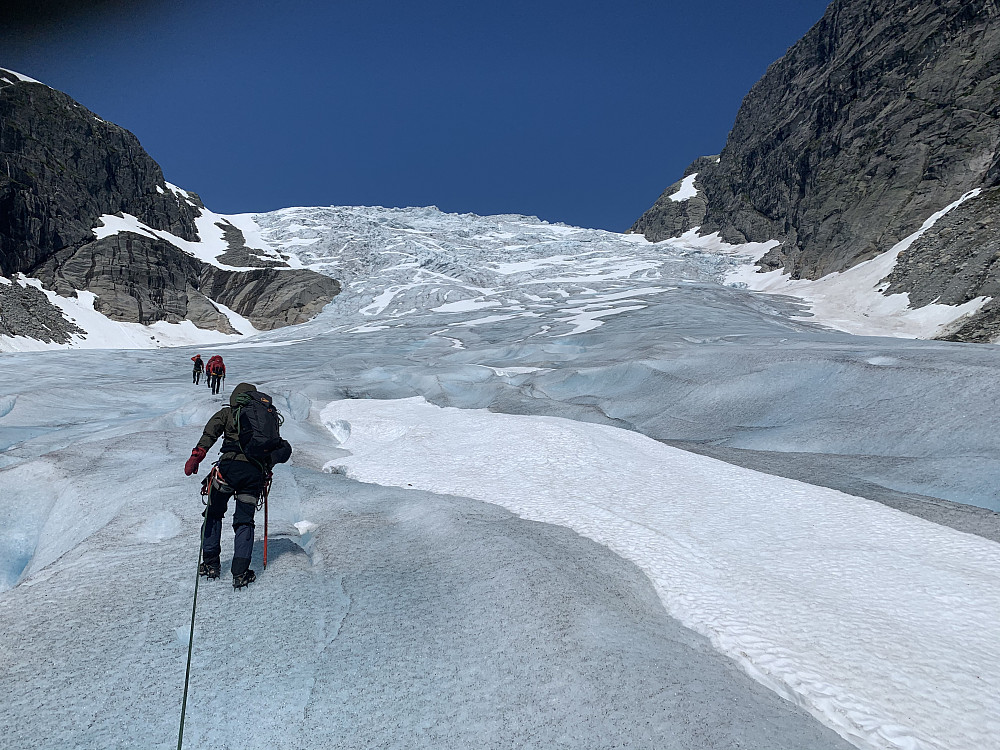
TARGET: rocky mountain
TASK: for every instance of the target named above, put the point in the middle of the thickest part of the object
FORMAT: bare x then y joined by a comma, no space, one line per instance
84,208
884,113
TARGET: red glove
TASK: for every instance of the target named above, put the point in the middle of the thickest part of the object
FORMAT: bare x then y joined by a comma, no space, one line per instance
197,456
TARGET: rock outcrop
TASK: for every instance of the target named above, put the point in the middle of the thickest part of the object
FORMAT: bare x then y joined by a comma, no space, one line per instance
61,169
670,217
881,115
26,309
956,260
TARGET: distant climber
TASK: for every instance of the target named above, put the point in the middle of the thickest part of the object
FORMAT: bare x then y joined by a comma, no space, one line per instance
251,445
215,372
199,368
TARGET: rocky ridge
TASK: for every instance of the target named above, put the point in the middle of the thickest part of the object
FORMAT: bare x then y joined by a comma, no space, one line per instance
882,114
63,168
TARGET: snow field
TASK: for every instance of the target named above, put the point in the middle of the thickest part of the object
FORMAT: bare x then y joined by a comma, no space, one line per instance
880,624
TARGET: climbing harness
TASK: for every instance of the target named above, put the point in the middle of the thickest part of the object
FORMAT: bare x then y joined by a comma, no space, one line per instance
206,483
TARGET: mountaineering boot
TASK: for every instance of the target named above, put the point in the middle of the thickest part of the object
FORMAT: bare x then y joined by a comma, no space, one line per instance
244,579
210,569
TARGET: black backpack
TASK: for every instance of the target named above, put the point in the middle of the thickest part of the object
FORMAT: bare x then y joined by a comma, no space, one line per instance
257,423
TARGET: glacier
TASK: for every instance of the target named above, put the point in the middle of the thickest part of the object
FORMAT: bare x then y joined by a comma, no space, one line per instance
407,603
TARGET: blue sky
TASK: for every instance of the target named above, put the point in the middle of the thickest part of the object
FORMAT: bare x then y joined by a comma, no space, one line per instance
580,112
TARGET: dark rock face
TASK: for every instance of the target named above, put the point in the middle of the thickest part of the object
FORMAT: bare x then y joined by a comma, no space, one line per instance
61,168
136,279
882,114
142,279
271,298
25,311
956,260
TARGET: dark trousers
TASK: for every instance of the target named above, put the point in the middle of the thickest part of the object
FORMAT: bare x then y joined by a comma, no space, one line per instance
196,376
246,482
214,382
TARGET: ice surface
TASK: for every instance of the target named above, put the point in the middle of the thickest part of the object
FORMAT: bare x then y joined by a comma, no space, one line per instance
384,618
95,568
394,261
161,526
305,527
735,367
340,430
880,624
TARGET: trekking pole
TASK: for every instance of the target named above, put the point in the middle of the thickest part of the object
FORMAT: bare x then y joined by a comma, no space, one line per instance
267,490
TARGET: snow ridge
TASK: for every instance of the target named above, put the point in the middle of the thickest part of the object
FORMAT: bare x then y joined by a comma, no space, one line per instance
20,76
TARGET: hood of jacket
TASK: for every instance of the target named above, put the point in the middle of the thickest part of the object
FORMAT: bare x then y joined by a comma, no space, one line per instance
241,388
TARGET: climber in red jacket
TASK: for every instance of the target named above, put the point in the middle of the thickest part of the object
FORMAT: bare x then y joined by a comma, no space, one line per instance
216,372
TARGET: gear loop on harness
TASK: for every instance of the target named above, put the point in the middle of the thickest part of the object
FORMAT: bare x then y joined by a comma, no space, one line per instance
206,483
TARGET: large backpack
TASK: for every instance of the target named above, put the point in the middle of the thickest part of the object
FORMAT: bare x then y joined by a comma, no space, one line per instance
257,422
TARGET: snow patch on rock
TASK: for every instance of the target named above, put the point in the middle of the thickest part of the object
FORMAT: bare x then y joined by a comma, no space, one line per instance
686,191
104,333
21,77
